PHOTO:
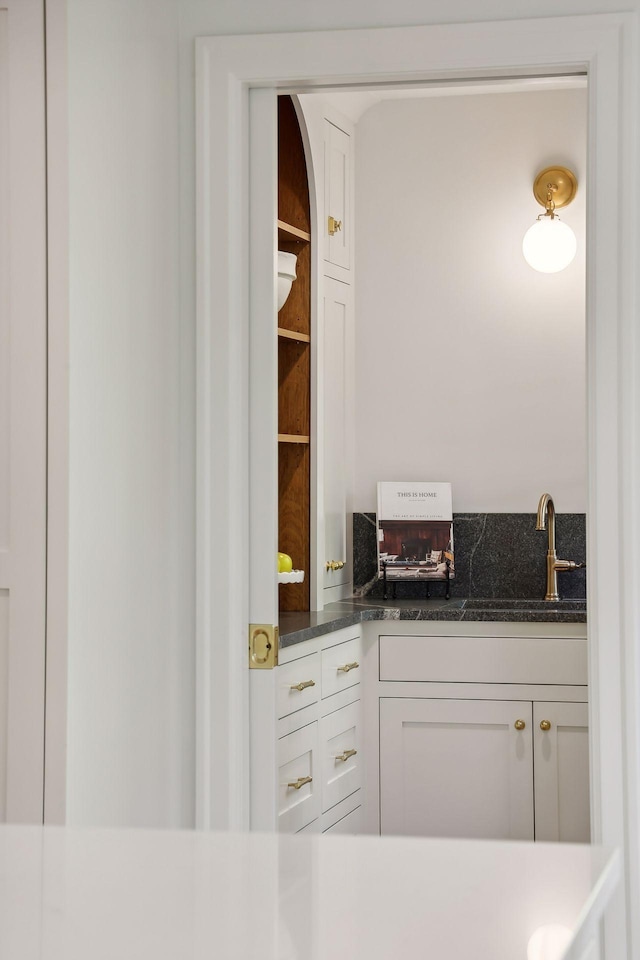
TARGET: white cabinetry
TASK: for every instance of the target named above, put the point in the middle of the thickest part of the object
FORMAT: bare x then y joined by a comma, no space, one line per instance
330,139
337,193
341,754
483,735
298,779
561,761
456,768
319,734
338,362
337,384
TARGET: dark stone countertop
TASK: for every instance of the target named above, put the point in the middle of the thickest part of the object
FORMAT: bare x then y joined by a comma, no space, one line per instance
297,627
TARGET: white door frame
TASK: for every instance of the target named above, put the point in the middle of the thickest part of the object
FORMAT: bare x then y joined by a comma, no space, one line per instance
234,301
23,383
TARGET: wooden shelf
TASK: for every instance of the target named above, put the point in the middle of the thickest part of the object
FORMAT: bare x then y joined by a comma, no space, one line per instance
294,360
292,438
290,234
292,335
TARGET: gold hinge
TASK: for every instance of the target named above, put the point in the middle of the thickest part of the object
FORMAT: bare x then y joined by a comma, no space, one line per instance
263,646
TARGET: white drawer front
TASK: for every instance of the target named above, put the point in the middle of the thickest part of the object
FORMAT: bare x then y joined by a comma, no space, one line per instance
313,827
484,659
341,667
297,761
341,754
298,684
352,823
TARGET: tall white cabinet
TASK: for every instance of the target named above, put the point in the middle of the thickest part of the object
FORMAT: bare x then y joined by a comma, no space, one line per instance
337,193
330,140
337,381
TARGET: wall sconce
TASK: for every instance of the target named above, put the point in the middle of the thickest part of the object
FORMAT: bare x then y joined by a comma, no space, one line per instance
550,245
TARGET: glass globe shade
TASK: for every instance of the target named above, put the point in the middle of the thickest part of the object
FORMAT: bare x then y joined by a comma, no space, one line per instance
549,245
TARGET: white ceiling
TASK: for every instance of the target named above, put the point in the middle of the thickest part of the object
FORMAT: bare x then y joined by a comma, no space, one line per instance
354,103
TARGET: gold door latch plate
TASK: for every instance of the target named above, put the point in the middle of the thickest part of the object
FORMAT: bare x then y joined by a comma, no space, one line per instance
263,646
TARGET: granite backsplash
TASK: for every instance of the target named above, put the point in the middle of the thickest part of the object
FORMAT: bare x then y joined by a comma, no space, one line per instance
497,555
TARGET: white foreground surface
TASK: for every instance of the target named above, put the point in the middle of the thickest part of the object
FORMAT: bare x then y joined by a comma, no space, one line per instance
79,894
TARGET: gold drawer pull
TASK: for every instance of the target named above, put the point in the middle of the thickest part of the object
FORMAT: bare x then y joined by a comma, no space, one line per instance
333,225
346,755
300,782
349,666
545,725
303,685
335,564
519,724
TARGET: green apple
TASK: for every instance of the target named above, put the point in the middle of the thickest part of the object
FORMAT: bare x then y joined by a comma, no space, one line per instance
285,563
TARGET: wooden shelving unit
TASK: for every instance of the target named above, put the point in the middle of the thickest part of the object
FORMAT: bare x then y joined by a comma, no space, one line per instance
294,360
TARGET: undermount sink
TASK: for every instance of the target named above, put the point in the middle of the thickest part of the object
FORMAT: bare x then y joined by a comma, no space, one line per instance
488,604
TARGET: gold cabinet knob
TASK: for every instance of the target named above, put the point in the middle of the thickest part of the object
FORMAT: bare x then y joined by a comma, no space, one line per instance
519,724
300,782
545,725
345,756
303,685
335,564
333,225
348,666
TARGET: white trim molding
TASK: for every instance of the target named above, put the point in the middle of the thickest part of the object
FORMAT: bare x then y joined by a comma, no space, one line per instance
602,46
55,769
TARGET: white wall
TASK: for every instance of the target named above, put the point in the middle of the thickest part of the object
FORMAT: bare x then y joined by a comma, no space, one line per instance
470,365
131,562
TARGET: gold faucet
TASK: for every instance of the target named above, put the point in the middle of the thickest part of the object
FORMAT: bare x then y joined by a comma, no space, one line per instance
547,511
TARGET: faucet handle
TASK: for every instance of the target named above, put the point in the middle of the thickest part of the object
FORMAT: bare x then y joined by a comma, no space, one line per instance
565,565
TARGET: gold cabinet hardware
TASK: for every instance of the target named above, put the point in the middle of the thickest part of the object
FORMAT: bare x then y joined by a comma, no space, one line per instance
335,564
303,685
263,646
334,225
348,666
300,782
519,724
545,725
346,755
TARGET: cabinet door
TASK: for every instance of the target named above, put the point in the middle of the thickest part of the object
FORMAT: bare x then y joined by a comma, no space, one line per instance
456,768
337,187
336,473
340,755
299,779
561,764
352,823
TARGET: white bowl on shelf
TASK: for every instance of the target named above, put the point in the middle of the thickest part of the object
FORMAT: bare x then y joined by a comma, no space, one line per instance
286,276
294,576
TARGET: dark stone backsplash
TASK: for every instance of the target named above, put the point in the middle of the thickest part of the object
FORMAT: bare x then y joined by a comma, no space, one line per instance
496,555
